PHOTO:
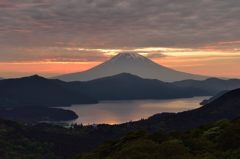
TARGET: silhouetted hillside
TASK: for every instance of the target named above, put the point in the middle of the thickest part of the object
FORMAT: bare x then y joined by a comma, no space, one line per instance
212,85
218,95
225,107
35,115
38,91
218,140
126,86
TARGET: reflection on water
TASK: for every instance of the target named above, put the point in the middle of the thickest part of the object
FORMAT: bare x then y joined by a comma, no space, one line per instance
115,112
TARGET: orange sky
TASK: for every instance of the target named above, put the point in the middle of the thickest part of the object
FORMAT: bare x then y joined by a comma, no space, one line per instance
206,65
52,37
42,68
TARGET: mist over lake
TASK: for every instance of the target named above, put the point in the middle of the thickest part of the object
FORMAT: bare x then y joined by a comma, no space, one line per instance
115,112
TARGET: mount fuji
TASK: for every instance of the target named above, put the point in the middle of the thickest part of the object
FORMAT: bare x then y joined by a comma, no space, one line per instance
132,63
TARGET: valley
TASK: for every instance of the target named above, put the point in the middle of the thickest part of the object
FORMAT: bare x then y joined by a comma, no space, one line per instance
119,79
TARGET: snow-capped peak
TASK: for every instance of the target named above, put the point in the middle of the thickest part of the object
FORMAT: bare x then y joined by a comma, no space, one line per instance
128,56
132,63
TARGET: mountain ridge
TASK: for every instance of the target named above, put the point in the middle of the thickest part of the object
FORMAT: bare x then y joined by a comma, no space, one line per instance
126,86
39,91
214,85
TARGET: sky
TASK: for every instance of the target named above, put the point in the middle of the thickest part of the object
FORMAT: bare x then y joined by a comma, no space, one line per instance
52,37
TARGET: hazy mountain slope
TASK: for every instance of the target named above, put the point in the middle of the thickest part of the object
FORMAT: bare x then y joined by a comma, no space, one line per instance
126,86
38,91
213,85
130,63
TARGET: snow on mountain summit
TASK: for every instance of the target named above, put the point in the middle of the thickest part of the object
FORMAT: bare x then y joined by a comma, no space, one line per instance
128,57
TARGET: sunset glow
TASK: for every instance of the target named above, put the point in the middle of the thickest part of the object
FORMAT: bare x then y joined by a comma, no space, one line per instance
57,37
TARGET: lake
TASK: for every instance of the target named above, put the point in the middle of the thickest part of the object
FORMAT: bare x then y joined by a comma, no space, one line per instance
115,112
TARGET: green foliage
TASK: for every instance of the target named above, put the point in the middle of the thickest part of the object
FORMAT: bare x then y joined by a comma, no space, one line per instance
220,140
14,145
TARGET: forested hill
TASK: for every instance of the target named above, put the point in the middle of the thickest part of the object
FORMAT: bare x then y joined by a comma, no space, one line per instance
219,140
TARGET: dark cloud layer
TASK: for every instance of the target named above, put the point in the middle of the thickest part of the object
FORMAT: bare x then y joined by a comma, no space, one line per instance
117,23
53,54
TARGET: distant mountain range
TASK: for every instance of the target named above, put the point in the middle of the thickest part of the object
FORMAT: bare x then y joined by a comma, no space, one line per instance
213,85
125,86
35,92
132,63
39,91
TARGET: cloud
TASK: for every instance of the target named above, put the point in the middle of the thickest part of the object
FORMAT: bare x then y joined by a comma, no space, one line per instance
116,24
53,54
155,55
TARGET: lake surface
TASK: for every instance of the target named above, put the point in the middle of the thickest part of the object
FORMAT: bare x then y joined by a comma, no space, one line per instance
115,112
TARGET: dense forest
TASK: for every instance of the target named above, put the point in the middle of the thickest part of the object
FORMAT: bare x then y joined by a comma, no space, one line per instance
218,140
